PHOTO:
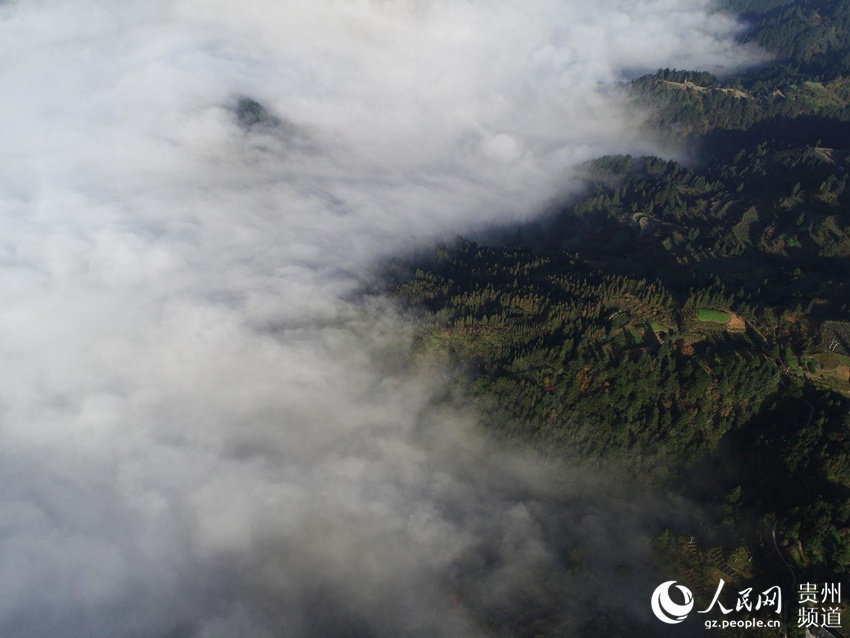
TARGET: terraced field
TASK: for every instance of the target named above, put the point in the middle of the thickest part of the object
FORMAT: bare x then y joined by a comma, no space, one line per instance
836,336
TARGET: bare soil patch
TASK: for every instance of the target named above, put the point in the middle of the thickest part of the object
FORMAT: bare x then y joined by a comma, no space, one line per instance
736,322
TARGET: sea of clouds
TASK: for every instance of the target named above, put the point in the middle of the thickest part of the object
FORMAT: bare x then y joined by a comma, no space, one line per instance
202,431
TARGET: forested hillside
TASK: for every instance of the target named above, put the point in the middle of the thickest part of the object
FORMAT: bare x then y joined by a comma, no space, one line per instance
806,37
802,95
687,321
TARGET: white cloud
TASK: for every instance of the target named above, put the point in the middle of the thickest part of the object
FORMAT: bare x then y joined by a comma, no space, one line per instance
198,434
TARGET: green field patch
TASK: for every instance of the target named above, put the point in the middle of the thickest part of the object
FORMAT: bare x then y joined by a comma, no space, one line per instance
636,333
658,327
832,359
712,316
811,364
815,85
620,320
834,370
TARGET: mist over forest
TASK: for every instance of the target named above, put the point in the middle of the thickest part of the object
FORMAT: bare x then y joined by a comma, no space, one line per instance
211,424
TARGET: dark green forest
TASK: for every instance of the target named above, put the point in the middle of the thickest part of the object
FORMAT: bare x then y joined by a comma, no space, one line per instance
686,321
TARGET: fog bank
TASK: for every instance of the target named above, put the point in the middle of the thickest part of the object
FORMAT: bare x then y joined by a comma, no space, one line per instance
201,434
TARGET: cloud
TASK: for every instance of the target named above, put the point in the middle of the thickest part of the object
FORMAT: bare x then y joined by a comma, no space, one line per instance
201,434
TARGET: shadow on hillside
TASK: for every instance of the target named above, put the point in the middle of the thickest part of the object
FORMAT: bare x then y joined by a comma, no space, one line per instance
779,131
